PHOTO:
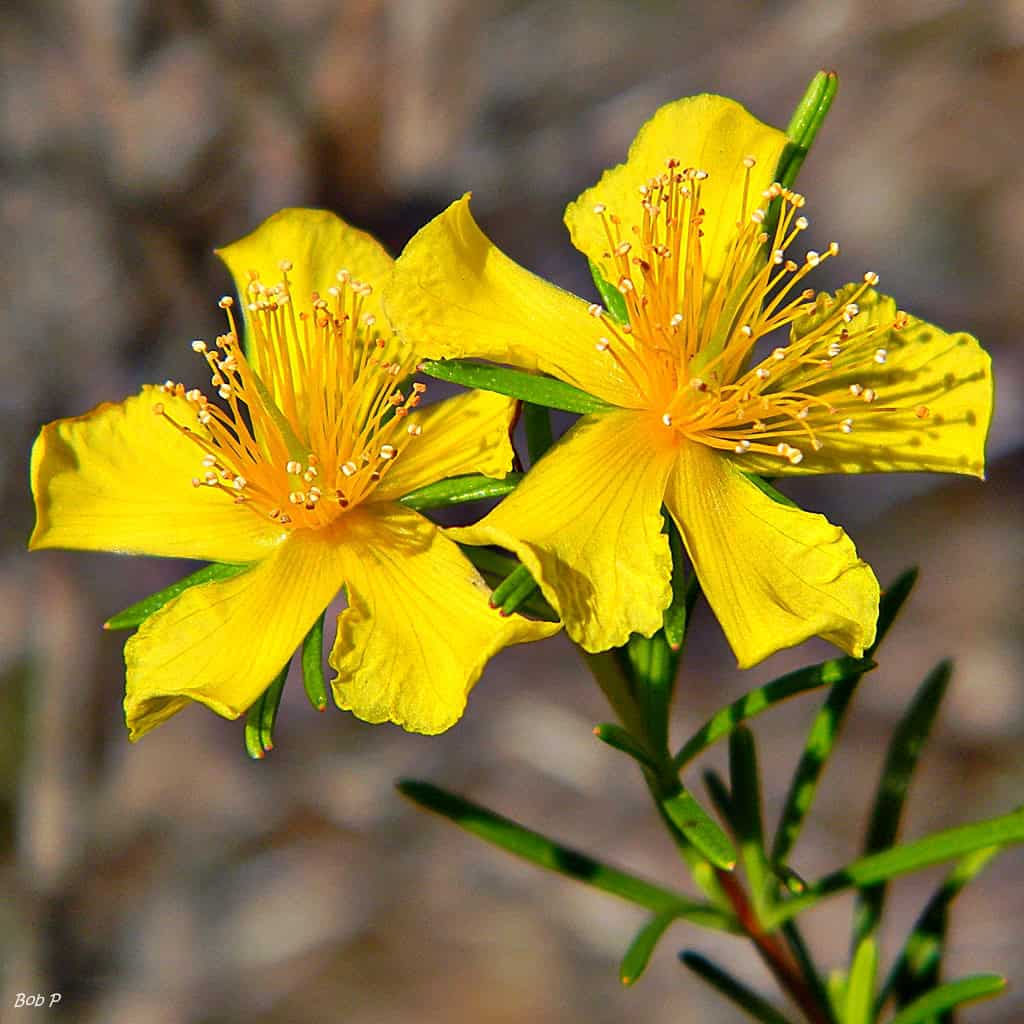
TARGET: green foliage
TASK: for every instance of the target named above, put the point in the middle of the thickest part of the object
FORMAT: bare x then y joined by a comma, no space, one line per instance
458,489
136,614
530,387
313,665
261,717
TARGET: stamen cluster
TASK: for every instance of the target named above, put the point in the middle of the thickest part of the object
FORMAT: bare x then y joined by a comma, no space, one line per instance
689,344
313,419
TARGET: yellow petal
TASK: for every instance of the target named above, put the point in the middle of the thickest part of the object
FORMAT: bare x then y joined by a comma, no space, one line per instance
455,294
932,410
773,574
317,244
223,643
465,434
119,479
710,133
418,629
587,522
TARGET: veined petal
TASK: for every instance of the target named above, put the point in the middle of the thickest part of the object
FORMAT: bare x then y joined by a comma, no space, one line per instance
587,523
418,629
465,434
773,574
709,133
223,643
931,400
119,479
314,245
455,294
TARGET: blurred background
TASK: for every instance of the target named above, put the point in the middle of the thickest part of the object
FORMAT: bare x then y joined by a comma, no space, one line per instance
177,882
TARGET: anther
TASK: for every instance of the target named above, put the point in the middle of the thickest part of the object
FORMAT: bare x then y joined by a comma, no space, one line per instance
869,395
856,390
349,468
749,162
921,412
667,419
198,345
595,309
742,447
834,349
293,467
801,223
762,373
795,456
881,355
602,344
846,426
871,278
388,451
226,302
414,429
779,353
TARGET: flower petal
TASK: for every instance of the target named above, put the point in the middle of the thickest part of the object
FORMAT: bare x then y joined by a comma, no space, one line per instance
119,479
933,406
223,643
465,434
710,133
773,574
318,244
587,523
455,294
419,627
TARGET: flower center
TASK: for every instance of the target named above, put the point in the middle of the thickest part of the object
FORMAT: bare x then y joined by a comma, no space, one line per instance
314,419
689,343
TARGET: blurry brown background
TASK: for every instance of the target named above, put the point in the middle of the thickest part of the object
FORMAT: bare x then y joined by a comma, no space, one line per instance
176,881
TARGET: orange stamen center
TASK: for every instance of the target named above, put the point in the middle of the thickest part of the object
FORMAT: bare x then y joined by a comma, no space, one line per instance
689,344
313,420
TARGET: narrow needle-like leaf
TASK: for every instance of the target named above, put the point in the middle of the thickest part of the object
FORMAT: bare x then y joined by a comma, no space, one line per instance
745,786
530,387
617,737
638,955
860,986
546,853
805,124
684,590
458,489
514,590
901,759
900,860
945,997
827,673
260,718
313,665
137,613
825,728
745,998
916,968
700,828
539,436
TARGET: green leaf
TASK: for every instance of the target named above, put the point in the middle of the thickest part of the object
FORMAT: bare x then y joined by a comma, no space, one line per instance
496,567
530,387
617,737
457,489
825,728
653,665
905,747
916,968
900,860
720,795
700,828
808,969
745,787
546,853
860,986
612,298
637,957
805,124
723,722
893,599
539,436
745,998
137,613
684,589
945,997
313,665
514,590
260,718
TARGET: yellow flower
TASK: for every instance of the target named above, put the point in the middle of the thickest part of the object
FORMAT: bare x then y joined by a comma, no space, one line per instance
297,471
683,232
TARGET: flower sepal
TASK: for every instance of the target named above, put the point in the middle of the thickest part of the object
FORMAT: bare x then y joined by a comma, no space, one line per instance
459,489
530,387
262,716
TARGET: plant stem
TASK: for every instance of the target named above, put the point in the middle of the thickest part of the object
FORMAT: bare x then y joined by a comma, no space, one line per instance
772,951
